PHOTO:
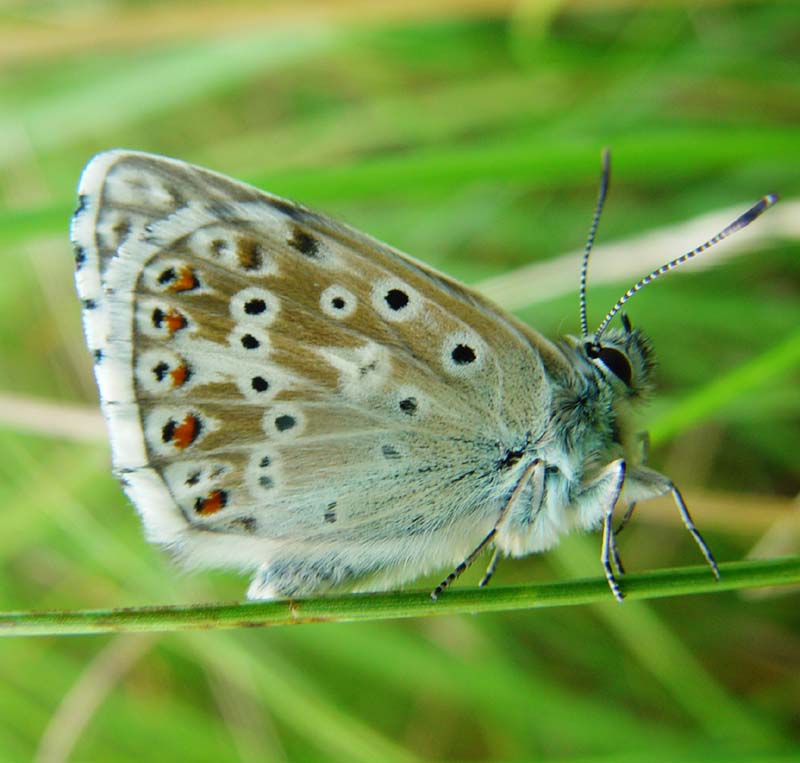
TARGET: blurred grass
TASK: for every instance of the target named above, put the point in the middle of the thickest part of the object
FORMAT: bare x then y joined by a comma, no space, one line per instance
467,133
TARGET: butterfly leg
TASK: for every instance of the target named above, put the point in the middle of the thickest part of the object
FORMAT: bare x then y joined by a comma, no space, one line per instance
487,576
615,551
644,447
595,501
643,482
532,468
626,517
689,524
610,483
466,563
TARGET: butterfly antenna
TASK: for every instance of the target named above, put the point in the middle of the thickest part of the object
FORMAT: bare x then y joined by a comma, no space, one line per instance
601,200
740,222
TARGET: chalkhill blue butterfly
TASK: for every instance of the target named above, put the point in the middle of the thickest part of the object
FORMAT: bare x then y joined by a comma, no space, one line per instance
289,396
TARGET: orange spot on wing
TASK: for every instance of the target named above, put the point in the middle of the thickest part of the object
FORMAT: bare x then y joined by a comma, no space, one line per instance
175,321
179,375
186,280
215,501
186,432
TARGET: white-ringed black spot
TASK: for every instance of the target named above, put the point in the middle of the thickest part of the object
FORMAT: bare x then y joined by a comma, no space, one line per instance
255,306
396,299
157,317
285,422
408,406
266,482
463,355
337,302
249,342
193,479
89,304
265,462
80,257
259,384
98,356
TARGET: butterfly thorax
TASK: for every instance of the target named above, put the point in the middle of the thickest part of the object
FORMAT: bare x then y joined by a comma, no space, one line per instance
593,422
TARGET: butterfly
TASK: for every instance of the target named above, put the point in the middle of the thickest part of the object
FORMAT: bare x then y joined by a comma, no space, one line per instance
287,396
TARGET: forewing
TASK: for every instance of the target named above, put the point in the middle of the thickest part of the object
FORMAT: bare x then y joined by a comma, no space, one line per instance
281,386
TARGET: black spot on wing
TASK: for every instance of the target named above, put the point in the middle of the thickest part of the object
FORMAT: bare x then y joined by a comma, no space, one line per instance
463,355
409,406
249,342
303,242
285,422
390,452
396,299
255,306
330,513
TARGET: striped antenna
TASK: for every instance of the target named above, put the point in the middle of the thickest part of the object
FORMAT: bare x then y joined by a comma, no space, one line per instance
740,222
601,200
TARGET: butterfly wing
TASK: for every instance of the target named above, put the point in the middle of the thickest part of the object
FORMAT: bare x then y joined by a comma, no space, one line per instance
284,392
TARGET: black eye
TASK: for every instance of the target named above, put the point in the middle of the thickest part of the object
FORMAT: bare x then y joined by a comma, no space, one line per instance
616,362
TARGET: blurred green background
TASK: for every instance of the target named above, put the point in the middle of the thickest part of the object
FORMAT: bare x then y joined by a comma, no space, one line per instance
467,132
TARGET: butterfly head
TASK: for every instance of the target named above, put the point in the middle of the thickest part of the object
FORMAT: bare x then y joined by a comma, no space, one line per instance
623,358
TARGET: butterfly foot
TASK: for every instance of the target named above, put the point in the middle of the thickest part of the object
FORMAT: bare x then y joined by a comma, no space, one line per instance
437,592
612,579
615,589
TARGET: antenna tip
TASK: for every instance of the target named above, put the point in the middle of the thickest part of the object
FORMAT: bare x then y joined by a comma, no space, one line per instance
761,206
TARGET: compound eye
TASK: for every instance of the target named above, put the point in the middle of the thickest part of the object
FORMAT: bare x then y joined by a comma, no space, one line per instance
616,362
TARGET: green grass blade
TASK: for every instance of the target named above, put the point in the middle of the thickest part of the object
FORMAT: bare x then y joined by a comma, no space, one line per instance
360,607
